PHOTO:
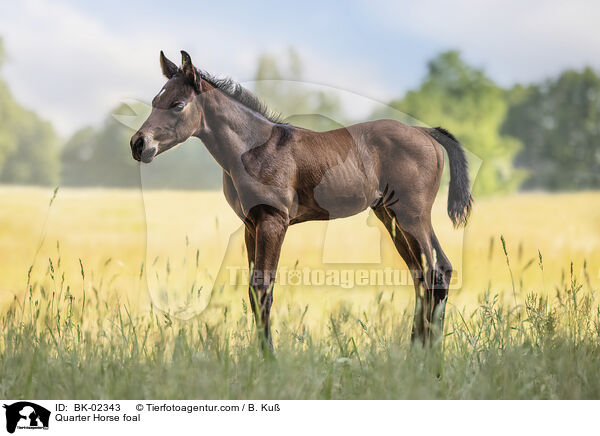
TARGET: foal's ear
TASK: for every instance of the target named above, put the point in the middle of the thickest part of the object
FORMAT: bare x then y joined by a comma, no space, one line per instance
189,71
168,68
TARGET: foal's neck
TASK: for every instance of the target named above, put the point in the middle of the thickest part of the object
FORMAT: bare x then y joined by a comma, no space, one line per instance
229,128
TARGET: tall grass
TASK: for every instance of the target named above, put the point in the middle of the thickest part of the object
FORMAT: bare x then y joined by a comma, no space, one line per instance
79,340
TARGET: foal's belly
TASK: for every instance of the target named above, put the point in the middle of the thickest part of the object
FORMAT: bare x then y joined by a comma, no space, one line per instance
347,188
339,194
341,202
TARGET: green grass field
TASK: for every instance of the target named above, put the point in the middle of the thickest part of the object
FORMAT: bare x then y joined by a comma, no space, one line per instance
94,291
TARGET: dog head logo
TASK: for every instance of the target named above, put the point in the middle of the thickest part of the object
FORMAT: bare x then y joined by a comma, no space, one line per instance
26,415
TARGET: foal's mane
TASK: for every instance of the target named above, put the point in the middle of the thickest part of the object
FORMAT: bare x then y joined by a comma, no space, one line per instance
242,95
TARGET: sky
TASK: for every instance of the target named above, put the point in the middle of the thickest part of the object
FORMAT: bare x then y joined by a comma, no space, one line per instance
73,61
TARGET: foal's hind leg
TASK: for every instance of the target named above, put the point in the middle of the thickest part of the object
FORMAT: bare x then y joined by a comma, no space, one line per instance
431,271
409,250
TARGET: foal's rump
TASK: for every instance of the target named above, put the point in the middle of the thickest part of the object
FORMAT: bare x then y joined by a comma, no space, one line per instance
411,163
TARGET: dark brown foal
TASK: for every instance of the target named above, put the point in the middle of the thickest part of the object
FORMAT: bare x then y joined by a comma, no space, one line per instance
276,175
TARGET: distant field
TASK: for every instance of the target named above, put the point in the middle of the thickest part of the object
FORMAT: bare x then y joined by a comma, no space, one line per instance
135,304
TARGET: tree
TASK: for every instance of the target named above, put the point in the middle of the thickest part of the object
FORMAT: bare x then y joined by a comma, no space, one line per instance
8,115
100,157
559,124
471,106
28,145
34,160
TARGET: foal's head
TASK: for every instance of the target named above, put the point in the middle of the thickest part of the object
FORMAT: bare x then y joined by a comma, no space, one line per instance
176,111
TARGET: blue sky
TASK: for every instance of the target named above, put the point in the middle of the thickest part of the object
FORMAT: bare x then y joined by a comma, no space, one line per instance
73,61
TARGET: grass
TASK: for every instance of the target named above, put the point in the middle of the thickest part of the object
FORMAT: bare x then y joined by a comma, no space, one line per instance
77,320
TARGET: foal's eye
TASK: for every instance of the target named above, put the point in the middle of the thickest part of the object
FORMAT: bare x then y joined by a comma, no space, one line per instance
178,106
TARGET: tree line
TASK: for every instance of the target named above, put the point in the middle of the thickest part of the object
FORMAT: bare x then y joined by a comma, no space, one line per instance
537,136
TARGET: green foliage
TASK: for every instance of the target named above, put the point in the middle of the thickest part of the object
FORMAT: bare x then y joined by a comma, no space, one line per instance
35,159
28,145
8,115
468,103
100,157
558,123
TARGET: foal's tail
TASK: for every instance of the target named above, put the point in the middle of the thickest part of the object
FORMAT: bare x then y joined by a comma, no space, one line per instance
459,193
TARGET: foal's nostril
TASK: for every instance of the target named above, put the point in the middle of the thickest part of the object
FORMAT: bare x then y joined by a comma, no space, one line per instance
139,144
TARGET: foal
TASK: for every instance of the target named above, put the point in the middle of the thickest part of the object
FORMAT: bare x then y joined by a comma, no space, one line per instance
275,175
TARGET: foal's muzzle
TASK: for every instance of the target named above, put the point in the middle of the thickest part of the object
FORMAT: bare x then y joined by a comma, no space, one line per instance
141,150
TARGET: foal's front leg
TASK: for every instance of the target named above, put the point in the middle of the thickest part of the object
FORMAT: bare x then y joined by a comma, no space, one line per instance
270,228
